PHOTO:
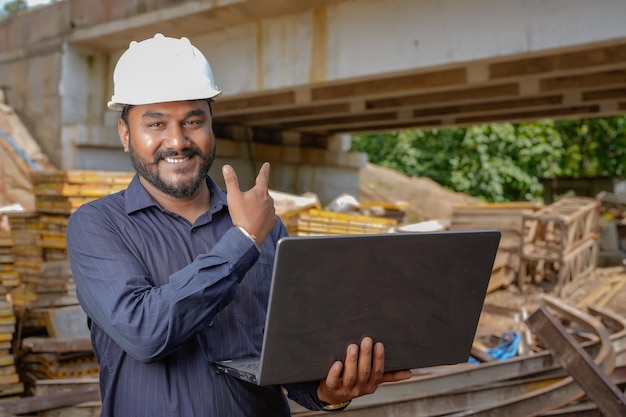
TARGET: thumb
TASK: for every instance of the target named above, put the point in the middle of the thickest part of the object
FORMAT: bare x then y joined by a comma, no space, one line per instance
264,175
230,179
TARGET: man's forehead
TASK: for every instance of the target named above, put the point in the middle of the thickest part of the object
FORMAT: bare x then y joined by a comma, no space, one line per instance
173,109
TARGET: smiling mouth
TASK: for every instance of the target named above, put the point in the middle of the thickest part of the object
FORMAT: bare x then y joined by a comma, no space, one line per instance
177,160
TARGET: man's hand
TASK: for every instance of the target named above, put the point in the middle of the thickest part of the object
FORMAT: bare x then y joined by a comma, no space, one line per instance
253,209
363,371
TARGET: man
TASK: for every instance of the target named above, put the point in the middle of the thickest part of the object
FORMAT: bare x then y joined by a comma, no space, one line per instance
173,272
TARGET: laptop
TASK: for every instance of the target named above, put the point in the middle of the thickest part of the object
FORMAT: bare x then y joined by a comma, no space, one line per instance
421,294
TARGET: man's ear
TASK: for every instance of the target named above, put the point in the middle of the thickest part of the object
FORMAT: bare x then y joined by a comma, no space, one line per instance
122,130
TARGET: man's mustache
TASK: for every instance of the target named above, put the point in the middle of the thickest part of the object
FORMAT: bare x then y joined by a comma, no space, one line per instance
169,153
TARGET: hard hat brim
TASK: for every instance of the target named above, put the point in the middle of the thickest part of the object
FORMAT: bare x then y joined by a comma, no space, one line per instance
118,103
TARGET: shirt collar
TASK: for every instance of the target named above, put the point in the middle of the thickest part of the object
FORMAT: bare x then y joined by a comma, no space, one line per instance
138,198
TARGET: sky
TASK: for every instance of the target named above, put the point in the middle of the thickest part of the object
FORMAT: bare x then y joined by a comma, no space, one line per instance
31,3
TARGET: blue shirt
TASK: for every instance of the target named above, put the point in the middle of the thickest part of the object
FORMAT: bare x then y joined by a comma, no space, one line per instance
165,298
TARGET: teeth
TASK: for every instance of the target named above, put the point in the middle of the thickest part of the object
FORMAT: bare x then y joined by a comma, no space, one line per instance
176,160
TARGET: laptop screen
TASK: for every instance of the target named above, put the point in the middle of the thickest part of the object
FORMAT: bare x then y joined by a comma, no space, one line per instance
421,294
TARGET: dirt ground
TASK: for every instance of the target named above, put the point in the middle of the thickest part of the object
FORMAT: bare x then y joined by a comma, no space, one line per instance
603,288
426,199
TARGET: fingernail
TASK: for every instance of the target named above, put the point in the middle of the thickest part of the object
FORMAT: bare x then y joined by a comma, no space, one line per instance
225,170
353,350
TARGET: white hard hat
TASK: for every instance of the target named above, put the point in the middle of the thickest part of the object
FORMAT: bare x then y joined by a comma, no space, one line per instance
161,69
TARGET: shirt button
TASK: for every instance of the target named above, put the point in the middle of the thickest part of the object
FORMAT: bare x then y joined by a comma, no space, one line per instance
211,323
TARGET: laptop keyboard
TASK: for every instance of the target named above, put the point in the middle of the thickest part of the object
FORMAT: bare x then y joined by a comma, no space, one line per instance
249,366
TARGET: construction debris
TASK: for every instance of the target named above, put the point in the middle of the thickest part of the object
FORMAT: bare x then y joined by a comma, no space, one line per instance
506,217
524,385
20,155
53,349
43,298
560,242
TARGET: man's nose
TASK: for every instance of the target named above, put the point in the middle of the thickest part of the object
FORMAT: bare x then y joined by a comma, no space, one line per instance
176,137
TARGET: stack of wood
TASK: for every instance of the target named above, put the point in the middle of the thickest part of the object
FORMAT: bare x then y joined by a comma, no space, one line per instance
10,384
560,243
26,232
59,193
314,222
395,211
8,275
47,365
9,379
50,389
505,217
303,215
62,192
64,352
54,287
53,340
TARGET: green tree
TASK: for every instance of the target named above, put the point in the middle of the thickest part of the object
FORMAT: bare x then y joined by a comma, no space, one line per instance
14,7
496,162
504,162
594,147
501,162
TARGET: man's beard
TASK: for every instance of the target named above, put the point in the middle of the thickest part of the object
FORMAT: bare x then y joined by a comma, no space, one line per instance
179,191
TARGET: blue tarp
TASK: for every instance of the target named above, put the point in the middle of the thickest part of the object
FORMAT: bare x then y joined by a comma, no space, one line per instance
507,348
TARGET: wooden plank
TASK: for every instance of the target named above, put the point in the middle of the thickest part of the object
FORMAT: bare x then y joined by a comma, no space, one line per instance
48,386
49,401
81,410
567,61
50,344
69,385
82,177
578,363
452,76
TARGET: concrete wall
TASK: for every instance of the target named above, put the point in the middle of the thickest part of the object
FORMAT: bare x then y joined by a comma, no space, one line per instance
369,36
31,54
365,38
56,62
60,91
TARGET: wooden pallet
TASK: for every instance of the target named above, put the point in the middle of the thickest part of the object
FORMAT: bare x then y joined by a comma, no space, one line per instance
506,217
576,264
557,228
